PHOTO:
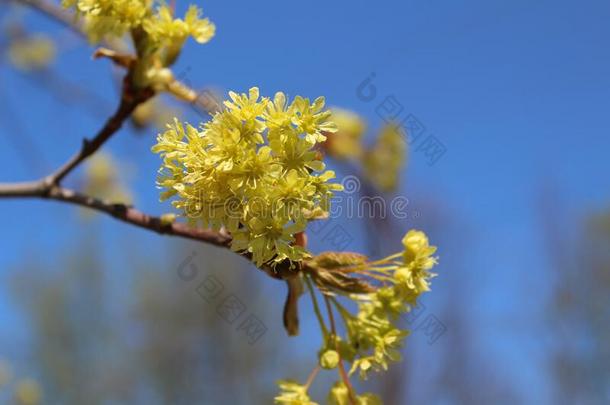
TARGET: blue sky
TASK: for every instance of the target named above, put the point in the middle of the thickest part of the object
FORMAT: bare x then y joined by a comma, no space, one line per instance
517,91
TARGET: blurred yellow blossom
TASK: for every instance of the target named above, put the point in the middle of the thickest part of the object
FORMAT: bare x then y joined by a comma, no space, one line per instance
153,112
31,52
102,179
346,143
383,162
28,392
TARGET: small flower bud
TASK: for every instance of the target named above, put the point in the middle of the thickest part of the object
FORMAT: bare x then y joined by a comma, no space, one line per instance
329,359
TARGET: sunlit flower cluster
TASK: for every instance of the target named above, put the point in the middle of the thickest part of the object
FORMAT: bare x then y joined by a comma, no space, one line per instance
253,170
392,287
383,290
372,333
152,24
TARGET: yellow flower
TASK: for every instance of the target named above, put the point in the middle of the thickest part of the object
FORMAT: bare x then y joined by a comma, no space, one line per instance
329,359
311,119
413,277
418,249
163,27
415,242
339,394
202,30
277,115
158,36
246,108
293,393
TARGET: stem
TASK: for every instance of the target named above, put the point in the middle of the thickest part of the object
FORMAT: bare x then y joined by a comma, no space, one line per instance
342,372
121,212
312,376
128,103
316,307
386,259
342,311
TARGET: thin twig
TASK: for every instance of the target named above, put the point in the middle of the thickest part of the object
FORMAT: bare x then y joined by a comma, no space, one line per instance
44,190
128,103
312,377
316,307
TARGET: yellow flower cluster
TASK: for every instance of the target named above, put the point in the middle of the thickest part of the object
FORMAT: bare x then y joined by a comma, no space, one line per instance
373,329
253,170
413,277
114,18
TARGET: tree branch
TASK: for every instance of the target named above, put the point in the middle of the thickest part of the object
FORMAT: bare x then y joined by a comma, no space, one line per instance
122,212
45,190
130,99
